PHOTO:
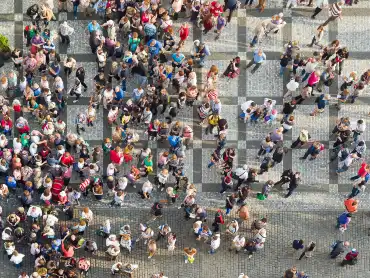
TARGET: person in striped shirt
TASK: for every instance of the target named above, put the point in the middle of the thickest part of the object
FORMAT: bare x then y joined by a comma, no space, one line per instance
335,11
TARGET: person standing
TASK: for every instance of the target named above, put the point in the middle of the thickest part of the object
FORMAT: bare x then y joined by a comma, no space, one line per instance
80,75
189,254
17,259
259,57
297,245
65,31
308,250
215,243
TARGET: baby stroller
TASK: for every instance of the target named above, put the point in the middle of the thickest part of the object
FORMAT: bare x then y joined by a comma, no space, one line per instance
232,70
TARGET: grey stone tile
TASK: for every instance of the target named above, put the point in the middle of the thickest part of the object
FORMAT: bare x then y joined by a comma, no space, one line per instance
229,38
266,81
7,7
304,120
314,172
352,30
80,37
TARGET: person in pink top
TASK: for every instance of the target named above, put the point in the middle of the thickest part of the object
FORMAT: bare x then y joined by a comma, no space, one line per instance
364,169
313,79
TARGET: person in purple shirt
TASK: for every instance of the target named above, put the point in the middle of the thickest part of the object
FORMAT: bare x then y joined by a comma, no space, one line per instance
220,24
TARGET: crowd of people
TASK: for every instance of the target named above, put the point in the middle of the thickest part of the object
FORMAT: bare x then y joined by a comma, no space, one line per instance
138,42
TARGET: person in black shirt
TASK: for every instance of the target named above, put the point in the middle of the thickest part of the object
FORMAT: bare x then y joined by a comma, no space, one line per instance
80,75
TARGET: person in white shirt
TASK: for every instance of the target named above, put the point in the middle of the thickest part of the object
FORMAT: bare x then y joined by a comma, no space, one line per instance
87,215
344,165
215,243
147,189
112,241
50,220
35,212
17,259
35,249
9,248
237,243
358,130
242,275
162,179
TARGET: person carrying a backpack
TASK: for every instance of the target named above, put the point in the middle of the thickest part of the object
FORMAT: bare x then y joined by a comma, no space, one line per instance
219,219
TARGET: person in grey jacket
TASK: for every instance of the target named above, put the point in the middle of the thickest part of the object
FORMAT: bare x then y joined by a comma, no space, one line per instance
338,248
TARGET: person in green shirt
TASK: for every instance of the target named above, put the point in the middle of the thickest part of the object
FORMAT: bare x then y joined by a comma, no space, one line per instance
148,165
25,140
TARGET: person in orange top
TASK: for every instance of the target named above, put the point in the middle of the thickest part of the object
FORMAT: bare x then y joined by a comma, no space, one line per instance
351,205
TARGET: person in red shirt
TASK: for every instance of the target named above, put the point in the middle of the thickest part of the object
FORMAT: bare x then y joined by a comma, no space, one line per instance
7,125
361,172
216,9
207,23
116,155
350,258
183,33
67,159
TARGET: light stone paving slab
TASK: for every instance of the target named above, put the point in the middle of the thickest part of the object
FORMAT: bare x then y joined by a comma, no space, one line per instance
7,7
266,81
311,123
352,30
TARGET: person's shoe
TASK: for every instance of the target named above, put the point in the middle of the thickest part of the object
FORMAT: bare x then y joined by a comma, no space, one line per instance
91,124
313,17
250,256
302,158
76,100
85,89
83,129
186,261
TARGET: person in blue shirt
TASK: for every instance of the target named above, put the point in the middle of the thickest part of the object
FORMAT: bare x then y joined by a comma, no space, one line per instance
298,244
177,59
201,51
118,94
11,183
150,31
54,69
258,58
93,26
154,48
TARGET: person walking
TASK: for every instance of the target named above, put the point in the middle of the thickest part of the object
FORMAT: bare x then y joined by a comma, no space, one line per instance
338,248
308,250
215,243
293,184
259,57
335,11
286,176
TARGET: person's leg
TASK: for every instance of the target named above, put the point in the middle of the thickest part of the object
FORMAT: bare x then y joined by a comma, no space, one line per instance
290,191
282,69
230,15
306,154
75,11
250,64
312,42
254,41
331,18
316,12
256,67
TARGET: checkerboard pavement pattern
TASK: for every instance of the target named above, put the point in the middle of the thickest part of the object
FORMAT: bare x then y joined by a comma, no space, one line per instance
321,188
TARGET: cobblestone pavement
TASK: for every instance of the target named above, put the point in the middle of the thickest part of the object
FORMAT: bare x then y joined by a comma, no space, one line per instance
322,190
